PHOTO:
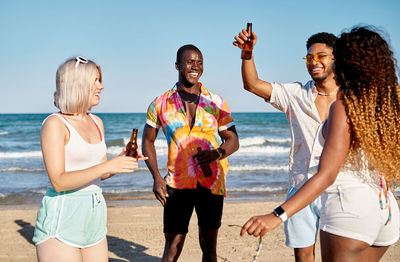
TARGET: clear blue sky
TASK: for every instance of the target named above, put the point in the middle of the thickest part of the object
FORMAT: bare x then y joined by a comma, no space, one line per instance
135,42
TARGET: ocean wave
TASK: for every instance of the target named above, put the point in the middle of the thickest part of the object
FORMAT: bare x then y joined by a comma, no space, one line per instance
257,189
248,141
22,170
31,154
279,140
127,191
257,167
248,146
116,150
23,194
255,150
162,150
159,143
3,133
41,191
35,196
115,142
260,140
41,170
244,151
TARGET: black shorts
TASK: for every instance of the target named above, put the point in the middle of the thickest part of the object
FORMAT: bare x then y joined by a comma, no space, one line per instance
179,208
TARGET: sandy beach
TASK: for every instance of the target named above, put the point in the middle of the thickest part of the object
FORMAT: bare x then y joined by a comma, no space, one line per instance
135,234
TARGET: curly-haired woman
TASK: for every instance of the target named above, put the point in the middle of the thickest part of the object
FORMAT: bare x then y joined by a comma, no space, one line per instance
359,216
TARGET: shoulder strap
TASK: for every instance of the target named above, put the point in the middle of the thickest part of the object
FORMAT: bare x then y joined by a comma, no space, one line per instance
97,125
61,117
69,126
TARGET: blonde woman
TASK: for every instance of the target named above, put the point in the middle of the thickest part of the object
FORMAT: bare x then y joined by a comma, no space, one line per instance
71,222
359,215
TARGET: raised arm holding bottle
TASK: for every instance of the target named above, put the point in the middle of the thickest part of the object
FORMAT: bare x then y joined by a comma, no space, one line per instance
306,108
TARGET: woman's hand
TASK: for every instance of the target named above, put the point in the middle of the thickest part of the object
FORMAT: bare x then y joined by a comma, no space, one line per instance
260,225
140,156
120,164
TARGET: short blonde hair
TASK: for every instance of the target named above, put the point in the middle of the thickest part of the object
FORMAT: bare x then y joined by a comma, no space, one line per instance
74,82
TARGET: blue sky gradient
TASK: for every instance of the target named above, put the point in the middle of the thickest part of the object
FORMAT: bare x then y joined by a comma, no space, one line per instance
135,43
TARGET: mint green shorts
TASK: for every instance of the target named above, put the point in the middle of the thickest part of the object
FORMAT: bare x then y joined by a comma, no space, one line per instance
77,218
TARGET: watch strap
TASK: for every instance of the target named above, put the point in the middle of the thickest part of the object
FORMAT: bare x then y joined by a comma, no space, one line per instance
280,212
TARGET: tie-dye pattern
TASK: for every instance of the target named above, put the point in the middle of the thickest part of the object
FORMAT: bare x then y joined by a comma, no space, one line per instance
212,115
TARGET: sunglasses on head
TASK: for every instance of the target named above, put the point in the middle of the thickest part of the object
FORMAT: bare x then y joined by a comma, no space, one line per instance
80,59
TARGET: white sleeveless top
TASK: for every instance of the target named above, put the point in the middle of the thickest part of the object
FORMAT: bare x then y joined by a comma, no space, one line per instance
80,154
359,166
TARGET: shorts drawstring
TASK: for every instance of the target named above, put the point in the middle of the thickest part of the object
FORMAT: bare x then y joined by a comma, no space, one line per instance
96,199
384,188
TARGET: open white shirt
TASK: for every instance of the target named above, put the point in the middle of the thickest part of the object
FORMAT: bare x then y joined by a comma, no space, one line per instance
297,102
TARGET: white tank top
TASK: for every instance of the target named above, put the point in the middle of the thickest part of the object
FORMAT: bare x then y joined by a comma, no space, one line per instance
80,154
359,166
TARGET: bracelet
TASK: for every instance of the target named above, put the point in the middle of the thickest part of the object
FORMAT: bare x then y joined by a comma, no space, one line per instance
220,152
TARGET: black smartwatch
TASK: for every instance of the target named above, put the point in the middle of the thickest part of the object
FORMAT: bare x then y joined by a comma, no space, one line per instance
280,212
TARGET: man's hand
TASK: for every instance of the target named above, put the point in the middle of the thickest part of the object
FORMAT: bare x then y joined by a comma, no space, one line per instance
206,156
160,190
242,37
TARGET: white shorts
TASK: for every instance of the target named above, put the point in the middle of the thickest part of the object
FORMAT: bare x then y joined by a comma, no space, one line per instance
351,209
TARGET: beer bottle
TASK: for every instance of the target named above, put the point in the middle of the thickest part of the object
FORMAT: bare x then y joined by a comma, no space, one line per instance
247,49
206,169
131,147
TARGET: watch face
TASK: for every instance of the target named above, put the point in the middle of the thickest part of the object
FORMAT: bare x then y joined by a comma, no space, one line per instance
279,211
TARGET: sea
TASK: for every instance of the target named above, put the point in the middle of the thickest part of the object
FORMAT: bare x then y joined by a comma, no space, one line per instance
258,170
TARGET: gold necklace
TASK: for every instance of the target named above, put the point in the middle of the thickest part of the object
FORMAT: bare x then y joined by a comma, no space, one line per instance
327,94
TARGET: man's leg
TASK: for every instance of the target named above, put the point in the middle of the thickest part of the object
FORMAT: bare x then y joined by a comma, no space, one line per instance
209,213
301,230
177,213
305,254
208,244
173,246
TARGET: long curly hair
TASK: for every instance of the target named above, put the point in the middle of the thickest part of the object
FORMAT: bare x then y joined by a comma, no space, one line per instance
365,70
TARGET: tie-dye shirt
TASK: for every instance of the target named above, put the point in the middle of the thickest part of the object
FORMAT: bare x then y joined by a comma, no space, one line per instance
212,115
297,102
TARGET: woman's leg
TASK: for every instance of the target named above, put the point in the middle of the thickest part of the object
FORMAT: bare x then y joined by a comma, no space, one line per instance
97,253
336,248
376,253
55,250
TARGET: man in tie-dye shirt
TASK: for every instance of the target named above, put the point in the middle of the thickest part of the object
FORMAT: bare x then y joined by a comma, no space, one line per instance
200,133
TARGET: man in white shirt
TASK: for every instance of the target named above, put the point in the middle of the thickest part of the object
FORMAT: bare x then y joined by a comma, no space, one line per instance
306,107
